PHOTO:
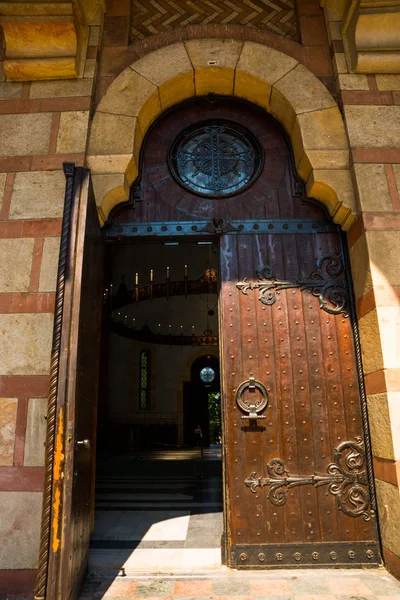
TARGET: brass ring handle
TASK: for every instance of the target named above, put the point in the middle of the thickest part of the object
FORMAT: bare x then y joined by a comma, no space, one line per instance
253,409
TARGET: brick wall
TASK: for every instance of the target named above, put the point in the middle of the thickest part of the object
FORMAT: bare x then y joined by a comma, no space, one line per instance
371,109
42,125
118,53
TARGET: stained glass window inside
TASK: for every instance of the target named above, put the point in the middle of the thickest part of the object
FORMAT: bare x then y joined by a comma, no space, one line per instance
207,374
215,158
144,380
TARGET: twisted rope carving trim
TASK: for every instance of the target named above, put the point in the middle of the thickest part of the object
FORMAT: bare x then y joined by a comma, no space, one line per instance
41,583
363,395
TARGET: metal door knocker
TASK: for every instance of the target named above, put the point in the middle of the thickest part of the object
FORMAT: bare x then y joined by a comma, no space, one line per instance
258,405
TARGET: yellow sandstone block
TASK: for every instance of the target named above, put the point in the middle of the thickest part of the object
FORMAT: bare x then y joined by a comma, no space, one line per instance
39,69
127,94
40,39
112,134
322,159
380,426
217,53
165,64
177,90
8,421
252,88
210,80
388,497
150,110
371,342
265,63
303,91
360,267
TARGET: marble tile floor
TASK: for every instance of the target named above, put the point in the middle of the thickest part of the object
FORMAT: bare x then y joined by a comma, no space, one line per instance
317,584
147,520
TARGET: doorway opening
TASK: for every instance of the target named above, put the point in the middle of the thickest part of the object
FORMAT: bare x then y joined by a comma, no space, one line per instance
158,499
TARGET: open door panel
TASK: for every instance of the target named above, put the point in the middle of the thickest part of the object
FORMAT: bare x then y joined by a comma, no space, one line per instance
76,393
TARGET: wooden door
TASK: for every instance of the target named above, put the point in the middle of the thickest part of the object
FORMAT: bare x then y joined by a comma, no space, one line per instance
296,474
74,456
298,483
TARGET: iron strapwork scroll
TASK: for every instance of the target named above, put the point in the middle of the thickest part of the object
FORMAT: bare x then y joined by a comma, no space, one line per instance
346,479
326,282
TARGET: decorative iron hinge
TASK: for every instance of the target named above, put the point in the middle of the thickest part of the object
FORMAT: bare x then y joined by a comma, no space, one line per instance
326,283
346,479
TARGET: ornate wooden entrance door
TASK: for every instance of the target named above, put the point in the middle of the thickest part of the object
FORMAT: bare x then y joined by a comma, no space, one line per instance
296,462
298,474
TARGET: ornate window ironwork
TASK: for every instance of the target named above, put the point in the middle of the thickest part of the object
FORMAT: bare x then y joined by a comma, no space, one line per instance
216,158
144,396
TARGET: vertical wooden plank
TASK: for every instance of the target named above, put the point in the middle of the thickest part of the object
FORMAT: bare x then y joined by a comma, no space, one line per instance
293,509
327,516
297,315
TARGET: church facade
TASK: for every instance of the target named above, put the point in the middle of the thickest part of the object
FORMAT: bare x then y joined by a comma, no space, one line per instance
144,108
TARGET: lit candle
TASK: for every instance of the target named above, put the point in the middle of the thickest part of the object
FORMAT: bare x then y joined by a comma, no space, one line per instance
134,322
167,272
159,328
169,327
151,275
137,279
193,329
181,329
126,318
185,270
119,315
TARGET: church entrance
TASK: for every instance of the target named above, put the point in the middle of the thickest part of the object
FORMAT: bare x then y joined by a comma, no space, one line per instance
297,467
220,269
159,454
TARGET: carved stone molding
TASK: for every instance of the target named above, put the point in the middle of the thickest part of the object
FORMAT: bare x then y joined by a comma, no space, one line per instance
371,33
46,40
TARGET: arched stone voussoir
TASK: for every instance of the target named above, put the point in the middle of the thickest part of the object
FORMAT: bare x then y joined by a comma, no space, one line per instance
298,92
171,70
110,189
214,62
334,189
258,69
248,70
132,95
319,141
112,135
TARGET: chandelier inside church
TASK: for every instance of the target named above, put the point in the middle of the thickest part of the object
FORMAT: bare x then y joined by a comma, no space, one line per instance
115,305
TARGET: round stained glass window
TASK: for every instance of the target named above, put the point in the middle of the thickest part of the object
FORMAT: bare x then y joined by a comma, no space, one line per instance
215,158
207,375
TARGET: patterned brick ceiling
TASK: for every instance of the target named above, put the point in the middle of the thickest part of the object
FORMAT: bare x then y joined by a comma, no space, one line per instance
156,16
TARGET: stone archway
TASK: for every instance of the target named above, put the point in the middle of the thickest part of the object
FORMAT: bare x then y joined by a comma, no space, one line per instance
248,70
